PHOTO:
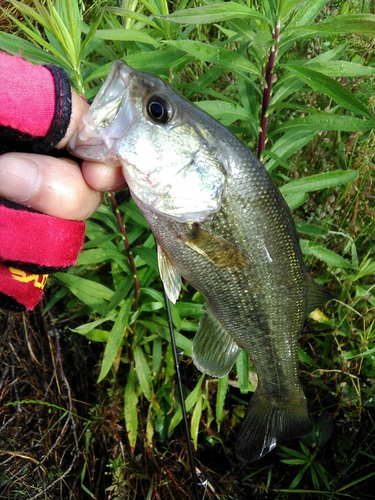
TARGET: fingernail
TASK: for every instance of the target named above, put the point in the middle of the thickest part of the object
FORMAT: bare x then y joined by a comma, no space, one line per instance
19,177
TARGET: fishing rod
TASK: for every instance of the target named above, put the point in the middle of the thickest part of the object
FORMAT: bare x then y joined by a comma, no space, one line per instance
182,400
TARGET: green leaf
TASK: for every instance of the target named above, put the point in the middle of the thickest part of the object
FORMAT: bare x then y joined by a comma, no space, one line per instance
226,112
157,356
311,229
36,37
148,255
242,367
191,400
98,335
90,35
87,327
298,478
364,354
286,9
326,85
182,342
305,358
157,62
289,143
340,68
326,255
319,181
307,11
327,121
71,16
66,35
126,36
115,338
295,200
196,418
89,292
286,86
232,61
222,389
18,46
122,290
360,24
102,254
143,372
214,13
294,461
294,453
130,14
130,408
31,12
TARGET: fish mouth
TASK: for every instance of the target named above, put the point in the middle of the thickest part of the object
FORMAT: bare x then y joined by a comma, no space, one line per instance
107,120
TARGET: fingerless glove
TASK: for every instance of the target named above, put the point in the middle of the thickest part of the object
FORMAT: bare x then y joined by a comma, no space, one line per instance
35,110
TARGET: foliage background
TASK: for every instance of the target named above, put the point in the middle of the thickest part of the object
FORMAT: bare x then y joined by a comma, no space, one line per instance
88,393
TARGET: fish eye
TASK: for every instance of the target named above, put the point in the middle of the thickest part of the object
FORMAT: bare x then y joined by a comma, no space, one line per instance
158,109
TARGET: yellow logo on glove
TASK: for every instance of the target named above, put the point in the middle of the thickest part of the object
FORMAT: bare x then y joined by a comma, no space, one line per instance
39,280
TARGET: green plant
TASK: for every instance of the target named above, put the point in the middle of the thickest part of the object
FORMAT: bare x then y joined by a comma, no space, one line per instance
309,465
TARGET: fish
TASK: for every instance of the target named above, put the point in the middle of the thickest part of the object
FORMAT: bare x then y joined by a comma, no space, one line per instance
221,223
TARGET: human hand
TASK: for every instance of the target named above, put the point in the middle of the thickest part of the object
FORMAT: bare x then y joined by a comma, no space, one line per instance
63,193
58,186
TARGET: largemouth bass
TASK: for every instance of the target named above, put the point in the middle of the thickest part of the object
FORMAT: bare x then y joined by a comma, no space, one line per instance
220,222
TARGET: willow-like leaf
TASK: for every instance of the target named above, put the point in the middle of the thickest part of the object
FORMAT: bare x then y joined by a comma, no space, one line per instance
115,338
130,408
216,12
196,418
222,389
232,61
326,85
142,370
327,121
190,402
319,181
126,36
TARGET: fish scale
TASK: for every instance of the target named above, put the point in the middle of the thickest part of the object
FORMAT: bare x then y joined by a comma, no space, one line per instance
221,223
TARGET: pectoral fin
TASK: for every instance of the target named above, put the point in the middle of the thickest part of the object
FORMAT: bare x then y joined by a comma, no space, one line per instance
214,350
170,277
215,248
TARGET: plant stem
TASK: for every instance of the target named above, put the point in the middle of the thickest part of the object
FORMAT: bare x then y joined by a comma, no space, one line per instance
133,267
267,93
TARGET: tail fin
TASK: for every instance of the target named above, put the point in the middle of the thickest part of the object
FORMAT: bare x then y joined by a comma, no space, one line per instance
268,421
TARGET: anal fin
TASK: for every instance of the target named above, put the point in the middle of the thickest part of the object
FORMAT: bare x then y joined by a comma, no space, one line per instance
214,350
